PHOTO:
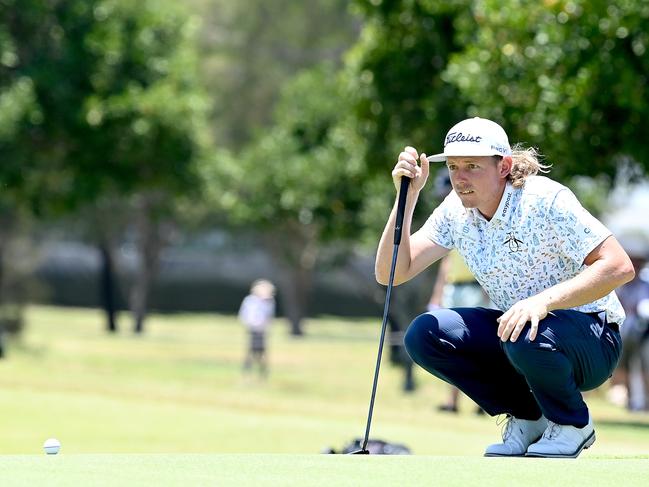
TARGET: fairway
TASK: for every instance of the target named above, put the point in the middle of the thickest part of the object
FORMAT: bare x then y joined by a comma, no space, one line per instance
317,470
172,407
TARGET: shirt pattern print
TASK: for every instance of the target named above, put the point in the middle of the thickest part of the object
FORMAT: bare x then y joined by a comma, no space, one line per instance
538,237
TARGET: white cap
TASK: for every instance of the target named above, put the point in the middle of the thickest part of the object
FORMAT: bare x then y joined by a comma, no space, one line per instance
474,137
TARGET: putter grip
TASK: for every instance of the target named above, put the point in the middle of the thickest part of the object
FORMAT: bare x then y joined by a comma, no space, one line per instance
401,207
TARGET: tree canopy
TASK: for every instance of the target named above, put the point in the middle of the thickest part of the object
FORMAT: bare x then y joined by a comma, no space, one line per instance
105,97
251,48
102,95
568,76
396,72
302,170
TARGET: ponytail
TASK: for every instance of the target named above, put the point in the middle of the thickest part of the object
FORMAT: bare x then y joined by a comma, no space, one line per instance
525,162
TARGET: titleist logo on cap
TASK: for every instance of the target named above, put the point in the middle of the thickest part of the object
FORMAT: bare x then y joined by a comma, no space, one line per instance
460,137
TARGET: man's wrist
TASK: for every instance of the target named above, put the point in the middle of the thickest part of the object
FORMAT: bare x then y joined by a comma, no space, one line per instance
547,298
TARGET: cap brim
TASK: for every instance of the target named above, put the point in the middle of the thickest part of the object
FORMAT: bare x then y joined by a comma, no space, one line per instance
462,152
437,158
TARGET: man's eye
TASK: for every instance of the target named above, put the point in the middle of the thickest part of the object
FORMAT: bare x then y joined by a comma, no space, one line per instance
451,168
473,166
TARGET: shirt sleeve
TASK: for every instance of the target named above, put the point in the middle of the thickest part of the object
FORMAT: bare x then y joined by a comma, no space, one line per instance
578,231
438,226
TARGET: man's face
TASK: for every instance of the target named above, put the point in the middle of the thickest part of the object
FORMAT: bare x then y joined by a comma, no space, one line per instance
479,181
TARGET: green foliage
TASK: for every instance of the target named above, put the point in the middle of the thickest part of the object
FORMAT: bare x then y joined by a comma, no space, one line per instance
251,48
568,76
305,171
104,96
399,95
395,71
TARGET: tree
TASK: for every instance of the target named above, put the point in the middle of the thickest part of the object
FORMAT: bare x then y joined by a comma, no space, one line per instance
396,72
251,48
399,97
17,105
299,185
567,76
107,99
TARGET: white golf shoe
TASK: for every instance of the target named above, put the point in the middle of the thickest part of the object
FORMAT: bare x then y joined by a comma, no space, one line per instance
563,441
518,434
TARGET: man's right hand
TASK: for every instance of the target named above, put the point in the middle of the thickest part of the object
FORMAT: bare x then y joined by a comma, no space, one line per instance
407,166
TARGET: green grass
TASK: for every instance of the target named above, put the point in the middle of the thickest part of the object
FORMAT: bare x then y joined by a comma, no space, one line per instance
178,390
317,470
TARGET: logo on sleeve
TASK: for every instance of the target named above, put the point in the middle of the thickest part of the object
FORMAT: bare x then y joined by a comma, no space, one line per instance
515,245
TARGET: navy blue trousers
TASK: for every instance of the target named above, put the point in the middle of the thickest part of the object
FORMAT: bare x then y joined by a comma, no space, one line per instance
572,352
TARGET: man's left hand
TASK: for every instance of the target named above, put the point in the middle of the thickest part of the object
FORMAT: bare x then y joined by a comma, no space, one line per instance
513,321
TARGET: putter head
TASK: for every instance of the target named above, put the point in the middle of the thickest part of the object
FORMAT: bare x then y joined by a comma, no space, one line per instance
359,452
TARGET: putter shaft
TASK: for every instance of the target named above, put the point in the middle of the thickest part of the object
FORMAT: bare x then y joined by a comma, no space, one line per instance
403,192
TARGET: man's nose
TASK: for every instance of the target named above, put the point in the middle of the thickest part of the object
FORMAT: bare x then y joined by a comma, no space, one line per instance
460,175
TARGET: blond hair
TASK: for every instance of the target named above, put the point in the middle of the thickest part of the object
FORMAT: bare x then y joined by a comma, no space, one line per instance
263,288
525,162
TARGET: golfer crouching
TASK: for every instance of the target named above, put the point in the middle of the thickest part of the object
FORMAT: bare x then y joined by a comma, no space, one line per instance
548,265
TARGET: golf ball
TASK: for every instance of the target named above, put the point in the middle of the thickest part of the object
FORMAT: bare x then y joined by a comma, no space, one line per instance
52,446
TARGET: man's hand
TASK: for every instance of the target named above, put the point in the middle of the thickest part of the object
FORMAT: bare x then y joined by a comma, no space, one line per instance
513,321
407,166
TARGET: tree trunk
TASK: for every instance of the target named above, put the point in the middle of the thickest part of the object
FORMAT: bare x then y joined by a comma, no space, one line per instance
106,219
148,248
295,288
107,285
294,250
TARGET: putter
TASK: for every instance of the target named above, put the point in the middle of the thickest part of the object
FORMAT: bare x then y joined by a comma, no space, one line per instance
403,192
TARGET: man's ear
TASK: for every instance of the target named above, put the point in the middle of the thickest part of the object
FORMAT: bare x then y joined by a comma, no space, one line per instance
506,166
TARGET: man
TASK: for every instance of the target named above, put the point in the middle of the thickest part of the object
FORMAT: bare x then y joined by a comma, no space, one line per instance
546,263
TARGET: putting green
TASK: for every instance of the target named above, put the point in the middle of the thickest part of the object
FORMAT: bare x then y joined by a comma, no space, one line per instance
316,470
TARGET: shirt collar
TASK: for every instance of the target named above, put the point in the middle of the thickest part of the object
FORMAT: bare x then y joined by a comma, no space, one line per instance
504,208
506,203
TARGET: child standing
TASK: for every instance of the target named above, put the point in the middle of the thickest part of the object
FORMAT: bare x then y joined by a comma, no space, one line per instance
256,313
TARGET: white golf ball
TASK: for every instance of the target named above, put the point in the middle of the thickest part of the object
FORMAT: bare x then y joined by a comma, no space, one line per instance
52,446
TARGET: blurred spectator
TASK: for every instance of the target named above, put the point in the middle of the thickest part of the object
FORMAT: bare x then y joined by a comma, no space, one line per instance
398,354
256,313
455,287
634,297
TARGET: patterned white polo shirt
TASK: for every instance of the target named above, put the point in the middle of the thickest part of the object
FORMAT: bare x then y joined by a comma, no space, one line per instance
538,237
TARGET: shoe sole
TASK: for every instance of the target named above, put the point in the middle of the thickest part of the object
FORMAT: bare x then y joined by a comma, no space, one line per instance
587,443
510,456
